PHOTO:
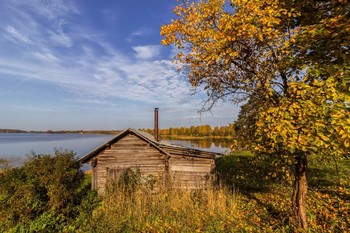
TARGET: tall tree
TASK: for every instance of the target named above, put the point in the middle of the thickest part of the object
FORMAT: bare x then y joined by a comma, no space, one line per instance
216,131
290,58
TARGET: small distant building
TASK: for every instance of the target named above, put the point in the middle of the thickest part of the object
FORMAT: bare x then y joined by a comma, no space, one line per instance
188,168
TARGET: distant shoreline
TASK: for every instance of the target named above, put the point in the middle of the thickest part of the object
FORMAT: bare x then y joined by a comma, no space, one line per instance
62,131
109,132
184,137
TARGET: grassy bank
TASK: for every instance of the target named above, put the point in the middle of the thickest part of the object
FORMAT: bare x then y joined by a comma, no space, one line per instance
253,196
165,211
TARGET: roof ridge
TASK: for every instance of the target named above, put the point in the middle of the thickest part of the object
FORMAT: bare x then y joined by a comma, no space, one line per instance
148,138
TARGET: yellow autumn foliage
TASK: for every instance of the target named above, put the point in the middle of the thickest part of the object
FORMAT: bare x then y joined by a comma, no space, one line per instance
290,65
312,118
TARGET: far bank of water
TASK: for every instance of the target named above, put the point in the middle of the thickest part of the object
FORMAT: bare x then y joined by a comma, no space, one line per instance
218,145
15,146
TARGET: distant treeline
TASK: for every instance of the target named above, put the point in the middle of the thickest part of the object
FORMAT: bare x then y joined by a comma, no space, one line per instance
198,131
62,131
12,131
85,131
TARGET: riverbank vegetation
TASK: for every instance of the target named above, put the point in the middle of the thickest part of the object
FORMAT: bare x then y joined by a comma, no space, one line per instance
198,131
45,194
50,193
203,131
61,131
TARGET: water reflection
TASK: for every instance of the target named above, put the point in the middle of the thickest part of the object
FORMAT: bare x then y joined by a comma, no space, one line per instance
15,147
220,145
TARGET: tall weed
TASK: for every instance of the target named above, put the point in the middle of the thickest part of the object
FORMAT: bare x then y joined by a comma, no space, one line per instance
143,208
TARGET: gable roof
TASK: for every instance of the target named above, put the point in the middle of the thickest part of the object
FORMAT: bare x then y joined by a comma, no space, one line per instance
166,149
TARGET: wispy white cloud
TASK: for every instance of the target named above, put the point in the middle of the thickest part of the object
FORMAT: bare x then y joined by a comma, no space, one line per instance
147,81
139,33
152,81
61,39
97,70
15,34
90,70
51,9
142,32
95,67
38,23
46,56
147,52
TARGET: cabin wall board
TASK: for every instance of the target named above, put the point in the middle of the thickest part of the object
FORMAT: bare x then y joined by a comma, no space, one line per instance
190,172
187,168
128,152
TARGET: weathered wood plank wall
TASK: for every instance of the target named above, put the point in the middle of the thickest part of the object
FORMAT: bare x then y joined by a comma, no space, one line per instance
186,168
190,172
128,152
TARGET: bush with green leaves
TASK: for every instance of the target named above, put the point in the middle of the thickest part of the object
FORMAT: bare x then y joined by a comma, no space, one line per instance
46,194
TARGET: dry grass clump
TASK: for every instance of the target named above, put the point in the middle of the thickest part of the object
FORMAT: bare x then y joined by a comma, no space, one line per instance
139,207
258,203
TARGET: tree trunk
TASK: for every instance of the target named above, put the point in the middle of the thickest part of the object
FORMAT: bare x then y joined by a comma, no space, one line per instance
299,194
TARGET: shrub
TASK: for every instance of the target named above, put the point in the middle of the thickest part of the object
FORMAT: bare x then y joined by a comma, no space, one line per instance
45,194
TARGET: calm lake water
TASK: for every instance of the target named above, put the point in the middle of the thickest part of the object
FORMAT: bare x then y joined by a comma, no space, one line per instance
15,146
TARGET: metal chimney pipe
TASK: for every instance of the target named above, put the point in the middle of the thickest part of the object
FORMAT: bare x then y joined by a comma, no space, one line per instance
156,138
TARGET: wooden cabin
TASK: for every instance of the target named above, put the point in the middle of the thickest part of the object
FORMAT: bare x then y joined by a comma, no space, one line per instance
186,168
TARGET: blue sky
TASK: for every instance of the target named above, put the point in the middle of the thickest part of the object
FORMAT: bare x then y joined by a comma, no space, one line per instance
93,65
